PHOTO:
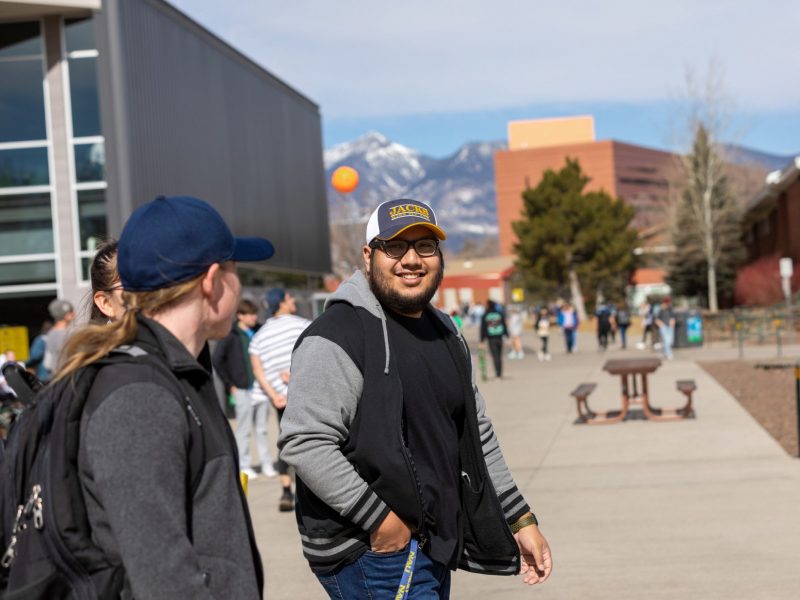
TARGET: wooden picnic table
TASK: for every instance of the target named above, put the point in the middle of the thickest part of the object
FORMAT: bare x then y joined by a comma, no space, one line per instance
633,372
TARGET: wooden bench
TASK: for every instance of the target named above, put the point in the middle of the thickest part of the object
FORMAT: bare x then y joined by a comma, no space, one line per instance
587,415
581,393
687,388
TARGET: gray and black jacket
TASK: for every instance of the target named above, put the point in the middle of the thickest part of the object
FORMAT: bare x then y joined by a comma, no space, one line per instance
342,431
175,538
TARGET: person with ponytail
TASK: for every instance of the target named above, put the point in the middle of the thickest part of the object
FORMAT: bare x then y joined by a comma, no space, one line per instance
106,294
176,530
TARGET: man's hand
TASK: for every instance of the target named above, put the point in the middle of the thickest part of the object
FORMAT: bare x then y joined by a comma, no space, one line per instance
279,401
391,535
537,563
285,377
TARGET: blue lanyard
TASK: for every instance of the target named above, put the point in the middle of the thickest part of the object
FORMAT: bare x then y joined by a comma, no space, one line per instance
408,572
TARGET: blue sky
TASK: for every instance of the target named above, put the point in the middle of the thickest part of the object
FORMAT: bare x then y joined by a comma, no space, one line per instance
433,75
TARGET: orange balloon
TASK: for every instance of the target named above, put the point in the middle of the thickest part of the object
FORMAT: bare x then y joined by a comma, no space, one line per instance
344,180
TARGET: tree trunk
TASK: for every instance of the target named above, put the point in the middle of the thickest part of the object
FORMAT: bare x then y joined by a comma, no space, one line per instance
577,296
709,251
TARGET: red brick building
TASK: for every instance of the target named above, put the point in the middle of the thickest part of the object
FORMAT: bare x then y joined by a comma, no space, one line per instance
771,232
640,176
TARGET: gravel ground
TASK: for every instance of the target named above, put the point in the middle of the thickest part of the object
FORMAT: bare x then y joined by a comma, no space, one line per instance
767,394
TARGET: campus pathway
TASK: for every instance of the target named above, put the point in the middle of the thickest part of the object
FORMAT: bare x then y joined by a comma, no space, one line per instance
704,508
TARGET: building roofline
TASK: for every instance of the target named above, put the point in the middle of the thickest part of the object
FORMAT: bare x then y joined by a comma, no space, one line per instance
776,182
237,54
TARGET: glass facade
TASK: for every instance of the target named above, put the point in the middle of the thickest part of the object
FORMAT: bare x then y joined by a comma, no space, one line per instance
90,162
21,100
24,166
87,140
26,224
27,248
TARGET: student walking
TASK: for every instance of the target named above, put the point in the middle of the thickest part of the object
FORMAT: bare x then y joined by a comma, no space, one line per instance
493,330
399,473
515,323
271,357
568,321
543,331
623,322
168,525
665,321
231,361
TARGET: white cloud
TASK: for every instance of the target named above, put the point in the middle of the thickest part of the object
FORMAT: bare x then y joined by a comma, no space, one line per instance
359,58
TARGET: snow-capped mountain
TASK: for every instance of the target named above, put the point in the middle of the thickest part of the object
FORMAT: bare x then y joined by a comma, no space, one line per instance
460,188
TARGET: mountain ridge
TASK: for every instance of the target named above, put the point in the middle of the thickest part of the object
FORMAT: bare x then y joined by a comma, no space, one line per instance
459,187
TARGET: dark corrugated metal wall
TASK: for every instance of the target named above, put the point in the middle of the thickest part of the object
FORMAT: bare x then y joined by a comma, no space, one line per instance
200,119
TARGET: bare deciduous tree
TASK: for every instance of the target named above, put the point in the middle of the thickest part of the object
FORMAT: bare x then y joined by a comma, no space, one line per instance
705,224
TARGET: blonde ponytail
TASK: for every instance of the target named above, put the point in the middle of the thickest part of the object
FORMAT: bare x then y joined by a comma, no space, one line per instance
93,342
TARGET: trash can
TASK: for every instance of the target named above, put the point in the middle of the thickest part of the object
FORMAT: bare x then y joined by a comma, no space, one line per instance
688,329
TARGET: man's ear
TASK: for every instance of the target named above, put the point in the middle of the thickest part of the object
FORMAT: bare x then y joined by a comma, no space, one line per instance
366,251
208,283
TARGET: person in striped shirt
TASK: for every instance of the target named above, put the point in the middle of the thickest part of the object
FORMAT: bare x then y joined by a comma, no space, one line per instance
271,356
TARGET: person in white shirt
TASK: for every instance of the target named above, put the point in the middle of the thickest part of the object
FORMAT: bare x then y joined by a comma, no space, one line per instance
271,357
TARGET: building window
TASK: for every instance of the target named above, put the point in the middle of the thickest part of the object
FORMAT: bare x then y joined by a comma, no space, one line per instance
21,167
26,224
90,162
89,173
21,93
27,248
92,218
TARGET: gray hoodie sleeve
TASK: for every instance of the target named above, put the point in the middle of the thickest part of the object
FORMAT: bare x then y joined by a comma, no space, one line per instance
135,452
324,390
514,505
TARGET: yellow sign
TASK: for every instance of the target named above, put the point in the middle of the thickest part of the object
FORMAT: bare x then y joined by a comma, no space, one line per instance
15,339
517,295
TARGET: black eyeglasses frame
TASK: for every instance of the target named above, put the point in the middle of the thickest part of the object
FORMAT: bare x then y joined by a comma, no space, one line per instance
381,244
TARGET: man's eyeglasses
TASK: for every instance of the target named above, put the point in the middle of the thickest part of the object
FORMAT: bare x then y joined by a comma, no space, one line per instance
398,248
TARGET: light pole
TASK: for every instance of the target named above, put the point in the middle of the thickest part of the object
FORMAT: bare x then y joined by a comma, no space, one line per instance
787,269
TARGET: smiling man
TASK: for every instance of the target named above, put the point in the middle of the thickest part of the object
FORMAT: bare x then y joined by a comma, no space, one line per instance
400,478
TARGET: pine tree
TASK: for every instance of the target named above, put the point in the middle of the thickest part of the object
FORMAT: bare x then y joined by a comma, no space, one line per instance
706,230
571,241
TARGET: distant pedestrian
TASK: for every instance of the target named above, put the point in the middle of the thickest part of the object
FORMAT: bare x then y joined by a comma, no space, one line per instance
457,319
63,315
493,330
605,324
568,321
543,331
649,326
231,359
623,322
665,320
271,358
36,354
515,324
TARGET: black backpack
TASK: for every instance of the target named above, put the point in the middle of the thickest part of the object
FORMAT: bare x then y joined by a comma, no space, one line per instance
48,549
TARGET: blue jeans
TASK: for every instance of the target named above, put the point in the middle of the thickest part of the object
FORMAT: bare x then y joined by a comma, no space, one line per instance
623,335
666,340
569,338
376,576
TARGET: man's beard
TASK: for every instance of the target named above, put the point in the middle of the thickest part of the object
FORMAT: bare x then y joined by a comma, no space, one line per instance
400,303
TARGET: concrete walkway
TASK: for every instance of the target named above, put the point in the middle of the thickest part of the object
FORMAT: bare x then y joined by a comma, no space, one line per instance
704,508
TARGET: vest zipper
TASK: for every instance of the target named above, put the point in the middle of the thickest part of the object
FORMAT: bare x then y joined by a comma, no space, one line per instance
417,486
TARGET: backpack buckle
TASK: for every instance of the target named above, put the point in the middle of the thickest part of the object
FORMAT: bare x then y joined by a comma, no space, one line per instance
10,553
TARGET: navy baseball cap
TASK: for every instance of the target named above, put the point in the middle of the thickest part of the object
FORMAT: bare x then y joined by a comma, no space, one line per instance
171,240
395,216
273,299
